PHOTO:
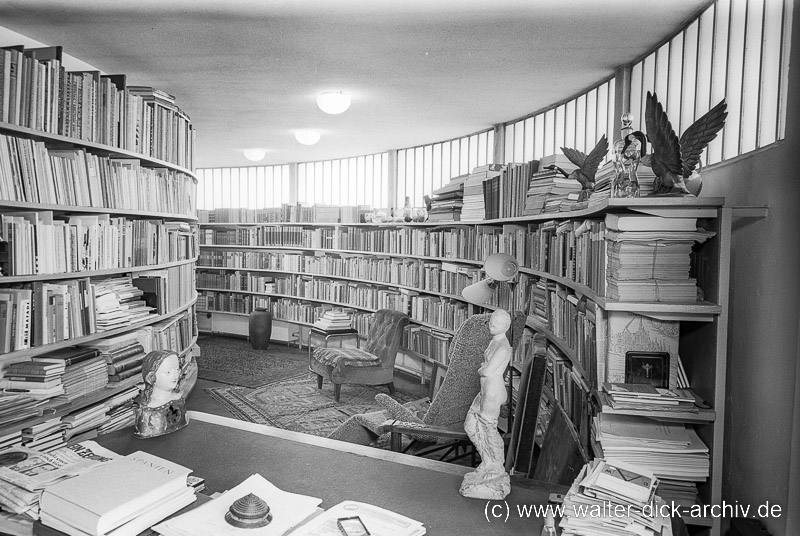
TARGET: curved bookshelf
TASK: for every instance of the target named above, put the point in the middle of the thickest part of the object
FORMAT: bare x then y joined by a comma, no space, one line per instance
22,355
289,296
22,205
331,276
106,150
91,273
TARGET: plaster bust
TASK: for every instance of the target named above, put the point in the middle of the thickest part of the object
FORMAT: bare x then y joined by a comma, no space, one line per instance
161,407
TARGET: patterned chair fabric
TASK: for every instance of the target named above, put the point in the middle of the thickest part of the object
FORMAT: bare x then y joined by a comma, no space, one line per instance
452,401
373,364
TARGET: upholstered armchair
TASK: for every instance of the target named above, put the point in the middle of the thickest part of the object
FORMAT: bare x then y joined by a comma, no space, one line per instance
441,421
372,364
444,420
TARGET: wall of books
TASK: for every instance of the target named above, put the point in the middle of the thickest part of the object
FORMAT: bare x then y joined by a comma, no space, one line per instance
97,245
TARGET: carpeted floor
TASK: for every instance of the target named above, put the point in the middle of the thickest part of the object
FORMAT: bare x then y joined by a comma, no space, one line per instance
296,403
232,361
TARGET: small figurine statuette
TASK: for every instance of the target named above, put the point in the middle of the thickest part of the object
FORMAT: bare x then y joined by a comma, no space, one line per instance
489,480
628,152
673,160
587,166
248,512
161,407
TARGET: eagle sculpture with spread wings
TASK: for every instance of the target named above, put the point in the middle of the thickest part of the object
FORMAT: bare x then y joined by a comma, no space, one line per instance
587,166
674,160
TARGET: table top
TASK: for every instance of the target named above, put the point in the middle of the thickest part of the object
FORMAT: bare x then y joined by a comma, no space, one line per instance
225,451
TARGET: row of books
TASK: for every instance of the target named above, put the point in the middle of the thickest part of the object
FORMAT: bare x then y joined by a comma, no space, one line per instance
37,242
45,313
297,213
428,342
504,194
40,94
474,200
433,276
570,389
31,172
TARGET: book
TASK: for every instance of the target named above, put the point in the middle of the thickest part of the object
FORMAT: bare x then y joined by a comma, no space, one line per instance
636,222
113,494
68,356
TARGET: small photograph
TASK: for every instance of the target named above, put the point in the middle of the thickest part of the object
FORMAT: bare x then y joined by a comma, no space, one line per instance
10,458
647,367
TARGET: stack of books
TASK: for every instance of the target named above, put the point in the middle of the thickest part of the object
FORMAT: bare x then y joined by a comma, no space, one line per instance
10,440
83,424
673,452
448,200
334,320
474,205
34,379
649,258
614,499
17,407
27,472
623,397
118,303
122,355
123,496
120,411
84,370
44,436
548,189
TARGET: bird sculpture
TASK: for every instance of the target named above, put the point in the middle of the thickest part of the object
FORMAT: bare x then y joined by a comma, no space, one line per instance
673,160
587,166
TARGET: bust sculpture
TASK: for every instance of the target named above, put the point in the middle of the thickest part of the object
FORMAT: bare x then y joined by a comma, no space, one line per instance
489,480
161,407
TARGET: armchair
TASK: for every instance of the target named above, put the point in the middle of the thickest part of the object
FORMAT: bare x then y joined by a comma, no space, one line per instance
371,365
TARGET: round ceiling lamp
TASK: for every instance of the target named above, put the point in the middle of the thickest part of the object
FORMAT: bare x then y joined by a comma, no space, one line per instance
307,137
333,102
255,154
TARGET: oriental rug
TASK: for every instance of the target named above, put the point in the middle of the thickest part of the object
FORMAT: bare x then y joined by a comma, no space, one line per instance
296,404
234,362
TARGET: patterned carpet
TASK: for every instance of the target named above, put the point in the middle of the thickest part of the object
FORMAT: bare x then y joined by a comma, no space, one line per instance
296,403
232,361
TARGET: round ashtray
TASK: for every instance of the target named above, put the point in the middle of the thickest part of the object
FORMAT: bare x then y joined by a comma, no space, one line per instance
249,512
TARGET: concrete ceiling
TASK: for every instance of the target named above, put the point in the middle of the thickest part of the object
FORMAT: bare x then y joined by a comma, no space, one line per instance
419,71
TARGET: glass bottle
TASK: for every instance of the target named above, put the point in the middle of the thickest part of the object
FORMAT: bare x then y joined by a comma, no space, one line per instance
627,154
407,210
549,528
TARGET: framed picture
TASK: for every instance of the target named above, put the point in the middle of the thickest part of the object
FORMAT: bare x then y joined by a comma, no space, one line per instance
647,367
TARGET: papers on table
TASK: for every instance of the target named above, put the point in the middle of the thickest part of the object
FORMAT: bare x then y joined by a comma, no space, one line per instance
288,510
378,521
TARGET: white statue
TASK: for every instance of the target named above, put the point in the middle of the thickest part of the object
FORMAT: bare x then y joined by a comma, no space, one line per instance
489,480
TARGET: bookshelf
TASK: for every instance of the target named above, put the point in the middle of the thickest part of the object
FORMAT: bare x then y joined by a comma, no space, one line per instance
99,236
561,277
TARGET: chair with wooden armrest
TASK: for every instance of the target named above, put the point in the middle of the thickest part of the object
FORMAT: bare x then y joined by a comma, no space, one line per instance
443,424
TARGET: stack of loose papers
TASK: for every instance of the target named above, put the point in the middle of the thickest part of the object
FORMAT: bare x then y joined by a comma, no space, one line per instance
26,472
614,499
378,521
649,258
287,509
668,450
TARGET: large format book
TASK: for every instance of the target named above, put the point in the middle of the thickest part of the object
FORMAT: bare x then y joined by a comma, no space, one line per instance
636,222
114,494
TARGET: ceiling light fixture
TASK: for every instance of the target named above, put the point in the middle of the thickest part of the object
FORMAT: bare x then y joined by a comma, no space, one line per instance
255,154
333,102
307,137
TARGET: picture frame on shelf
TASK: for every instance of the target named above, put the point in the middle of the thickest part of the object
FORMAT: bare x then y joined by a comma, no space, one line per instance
647,367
